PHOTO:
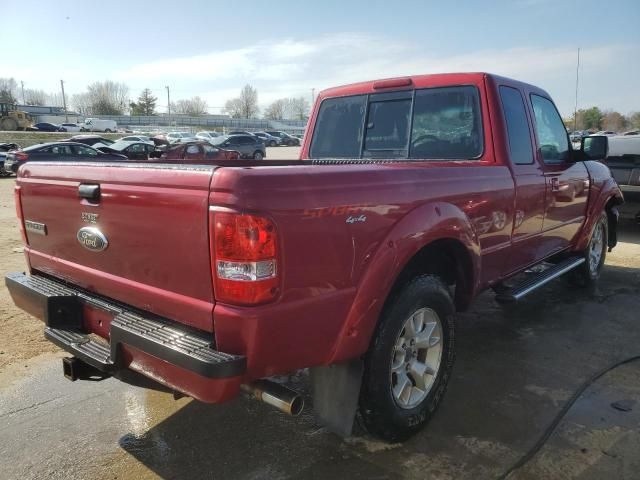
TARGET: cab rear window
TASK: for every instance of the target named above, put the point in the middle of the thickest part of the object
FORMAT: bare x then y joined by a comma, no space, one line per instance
431,123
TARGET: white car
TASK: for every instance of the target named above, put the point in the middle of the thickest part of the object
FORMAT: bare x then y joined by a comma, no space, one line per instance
137,138
208,136
177,137
71,127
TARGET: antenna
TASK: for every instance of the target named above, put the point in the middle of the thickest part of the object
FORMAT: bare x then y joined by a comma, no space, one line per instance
575,110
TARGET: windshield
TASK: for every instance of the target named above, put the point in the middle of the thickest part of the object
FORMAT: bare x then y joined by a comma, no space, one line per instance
219,140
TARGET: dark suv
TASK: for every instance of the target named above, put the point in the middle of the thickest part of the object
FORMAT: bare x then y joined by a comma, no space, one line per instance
285,138
249,146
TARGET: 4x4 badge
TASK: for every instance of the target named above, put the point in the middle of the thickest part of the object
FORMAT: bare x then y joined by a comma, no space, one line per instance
89,217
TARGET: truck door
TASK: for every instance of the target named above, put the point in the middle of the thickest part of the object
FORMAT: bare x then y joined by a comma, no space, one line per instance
529,182
567,182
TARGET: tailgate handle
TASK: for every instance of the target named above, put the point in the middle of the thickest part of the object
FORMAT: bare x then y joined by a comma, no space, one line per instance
88,191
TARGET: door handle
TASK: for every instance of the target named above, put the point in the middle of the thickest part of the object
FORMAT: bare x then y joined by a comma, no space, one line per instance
89,191
555,184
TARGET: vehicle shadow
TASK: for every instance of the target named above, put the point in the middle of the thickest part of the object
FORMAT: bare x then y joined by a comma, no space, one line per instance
516,368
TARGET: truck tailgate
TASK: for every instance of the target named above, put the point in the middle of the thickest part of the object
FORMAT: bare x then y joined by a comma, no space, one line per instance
153,218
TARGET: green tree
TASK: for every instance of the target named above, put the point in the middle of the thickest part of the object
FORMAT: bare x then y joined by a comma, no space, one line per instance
592,118
634,120
146,104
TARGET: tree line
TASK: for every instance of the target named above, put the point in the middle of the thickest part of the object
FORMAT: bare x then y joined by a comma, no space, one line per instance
113,98
596,119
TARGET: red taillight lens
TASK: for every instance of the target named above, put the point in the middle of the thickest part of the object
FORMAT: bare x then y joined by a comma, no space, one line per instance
244,251
21,156
18,199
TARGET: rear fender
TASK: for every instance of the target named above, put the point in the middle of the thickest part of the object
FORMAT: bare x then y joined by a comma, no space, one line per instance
430,222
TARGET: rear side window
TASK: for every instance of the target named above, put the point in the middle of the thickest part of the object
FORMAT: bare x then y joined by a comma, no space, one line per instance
338,130
552,134
515,116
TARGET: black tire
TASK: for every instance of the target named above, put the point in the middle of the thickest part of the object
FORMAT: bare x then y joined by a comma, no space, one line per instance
587,274
379,411
108,130
258,155
272,143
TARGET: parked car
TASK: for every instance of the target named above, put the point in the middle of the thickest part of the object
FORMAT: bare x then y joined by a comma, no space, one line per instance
240,132
197,152
70,127
285,138
133,150
622,155
351,261
632,132
91,140
269,140
177,137
205,135
160,140
99,125
578,135
136,138
71,151
249,146
5,148
606,133
45,127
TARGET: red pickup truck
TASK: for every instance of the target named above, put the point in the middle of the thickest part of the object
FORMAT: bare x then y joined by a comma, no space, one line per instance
412,195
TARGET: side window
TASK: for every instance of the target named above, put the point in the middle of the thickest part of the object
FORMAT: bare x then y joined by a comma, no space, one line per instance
192,150
338,130
246,141
447,124
517,126
387,128
552,135
61,150
137,148
79,150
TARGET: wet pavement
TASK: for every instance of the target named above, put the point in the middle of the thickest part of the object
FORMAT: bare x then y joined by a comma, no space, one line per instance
516,368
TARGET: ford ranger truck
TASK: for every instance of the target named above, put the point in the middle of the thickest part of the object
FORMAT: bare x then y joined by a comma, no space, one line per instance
411,196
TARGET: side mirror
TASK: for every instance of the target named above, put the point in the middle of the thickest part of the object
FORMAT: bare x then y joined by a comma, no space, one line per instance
594,148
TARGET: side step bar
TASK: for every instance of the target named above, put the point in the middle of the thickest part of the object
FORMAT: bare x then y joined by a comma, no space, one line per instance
536,281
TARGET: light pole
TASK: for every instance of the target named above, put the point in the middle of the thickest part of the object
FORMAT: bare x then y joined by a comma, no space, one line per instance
168,105
64,101
22,85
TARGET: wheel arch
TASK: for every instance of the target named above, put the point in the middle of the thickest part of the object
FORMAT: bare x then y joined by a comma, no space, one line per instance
436,238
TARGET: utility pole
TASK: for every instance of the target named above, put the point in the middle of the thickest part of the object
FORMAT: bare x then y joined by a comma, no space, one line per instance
64,101
168,105
575,110
22,85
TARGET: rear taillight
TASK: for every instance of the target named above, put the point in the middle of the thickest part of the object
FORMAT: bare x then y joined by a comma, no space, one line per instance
21,156
244,254
18,199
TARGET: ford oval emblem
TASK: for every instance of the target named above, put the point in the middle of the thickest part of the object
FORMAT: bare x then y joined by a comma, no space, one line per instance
92,239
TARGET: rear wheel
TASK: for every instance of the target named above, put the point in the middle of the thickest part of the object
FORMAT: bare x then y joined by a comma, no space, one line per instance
272,143
409,363
257,155
107,130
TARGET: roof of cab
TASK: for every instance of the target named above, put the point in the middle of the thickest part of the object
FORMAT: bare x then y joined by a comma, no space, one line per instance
422,81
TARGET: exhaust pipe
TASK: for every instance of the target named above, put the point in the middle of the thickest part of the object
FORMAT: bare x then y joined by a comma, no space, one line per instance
276,395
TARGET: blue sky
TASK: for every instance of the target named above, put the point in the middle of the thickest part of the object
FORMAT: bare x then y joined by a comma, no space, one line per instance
286,48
